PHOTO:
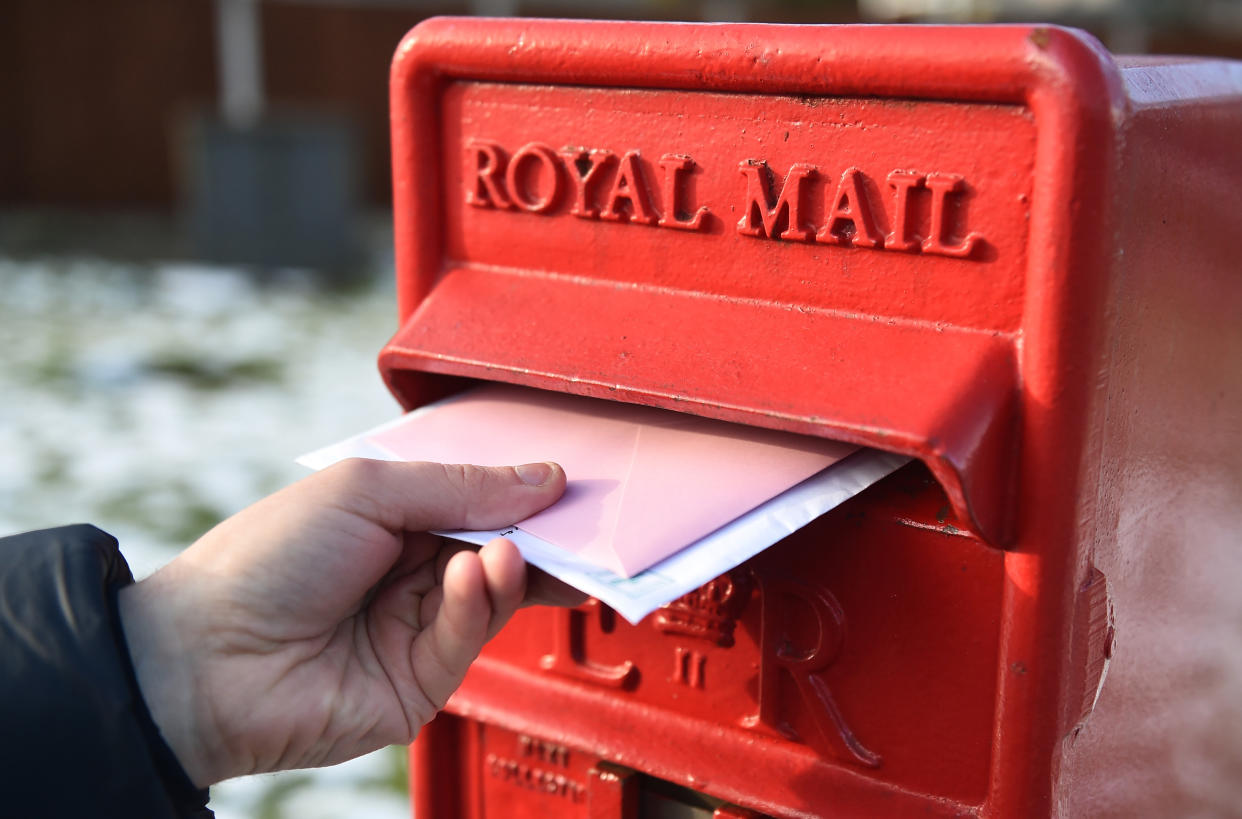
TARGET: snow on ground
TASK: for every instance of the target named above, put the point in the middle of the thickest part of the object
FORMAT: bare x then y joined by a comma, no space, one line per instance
155,398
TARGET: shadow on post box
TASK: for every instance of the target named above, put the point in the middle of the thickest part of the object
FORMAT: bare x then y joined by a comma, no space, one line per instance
906,238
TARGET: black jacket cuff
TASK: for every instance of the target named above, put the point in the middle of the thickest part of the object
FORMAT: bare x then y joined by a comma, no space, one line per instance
78,738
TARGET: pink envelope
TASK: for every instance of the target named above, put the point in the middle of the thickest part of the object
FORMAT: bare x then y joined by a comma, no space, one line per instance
643,482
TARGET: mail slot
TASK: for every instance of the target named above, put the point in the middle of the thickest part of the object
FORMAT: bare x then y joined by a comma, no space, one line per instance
999,250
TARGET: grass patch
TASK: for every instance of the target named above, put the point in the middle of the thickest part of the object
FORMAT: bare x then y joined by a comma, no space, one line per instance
173,513
202,374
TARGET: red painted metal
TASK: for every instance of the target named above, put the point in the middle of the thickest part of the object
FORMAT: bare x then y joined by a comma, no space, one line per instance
997,249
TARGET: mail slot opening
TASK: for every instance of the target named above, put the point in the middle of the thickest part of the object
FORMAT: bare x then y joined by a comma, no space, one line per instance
659,799
930,505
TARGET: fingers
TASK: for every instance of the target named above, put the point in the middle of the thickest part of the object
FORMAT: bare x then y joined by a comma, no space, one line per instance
541,588
452,638
479,594
423,496
505,571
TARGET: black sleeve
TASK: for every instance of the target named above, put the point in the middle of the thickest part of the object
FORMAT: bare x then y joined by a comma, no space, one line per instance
76,739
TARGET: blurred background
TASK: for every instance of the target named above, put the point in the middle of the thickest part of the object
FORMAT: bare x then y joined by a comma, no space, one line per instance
195,262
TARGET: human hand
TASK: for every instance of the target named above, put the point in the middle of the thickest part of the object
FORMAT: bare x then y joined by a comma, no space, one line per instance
323,622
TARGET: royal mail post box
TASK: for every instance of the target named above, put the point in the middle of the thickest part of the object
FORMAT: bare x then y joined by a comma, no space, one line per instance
999,250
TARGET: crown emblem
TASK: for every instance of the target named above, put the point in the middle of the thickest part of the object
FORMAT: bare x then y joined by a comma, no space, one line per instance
709,612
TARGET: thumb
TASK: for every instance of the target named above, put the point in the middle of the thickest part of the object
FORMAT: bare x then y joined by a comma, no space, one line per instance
419,496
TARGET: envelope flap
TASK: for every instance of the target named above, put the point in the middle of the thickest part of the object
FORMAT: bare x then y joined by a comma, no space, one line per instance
944,395
737,475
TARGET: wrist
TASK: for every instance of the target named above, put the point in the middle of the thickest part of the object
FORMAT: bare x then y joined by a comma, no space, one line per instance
162,659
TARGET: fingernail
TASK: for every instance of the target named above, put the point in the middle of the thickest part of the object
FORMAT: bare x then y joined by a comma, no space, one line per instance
534,474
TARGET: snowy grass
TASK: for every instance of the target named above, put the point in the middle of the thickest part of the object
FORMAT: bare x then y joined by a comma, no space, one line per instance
154,399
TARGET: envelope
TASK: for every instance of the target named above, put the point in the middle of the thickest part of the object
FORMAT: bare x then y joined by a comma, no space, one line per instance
643,483
729,546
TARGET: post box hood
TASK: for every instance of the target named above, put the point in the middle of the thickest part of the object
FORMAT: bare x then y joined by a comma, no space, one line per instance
944,396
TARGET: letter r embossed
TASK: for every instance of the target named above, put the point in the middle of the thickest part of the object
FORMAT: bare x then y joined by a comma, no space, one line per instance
486,169
780,655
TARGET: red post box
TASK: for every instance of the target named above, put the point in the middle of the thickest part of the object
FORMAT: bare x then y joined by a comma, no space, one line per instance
997,249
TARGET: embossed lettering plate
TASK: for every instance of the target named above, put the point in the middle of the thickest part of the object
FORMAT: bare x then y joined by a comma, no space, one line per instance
819,202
